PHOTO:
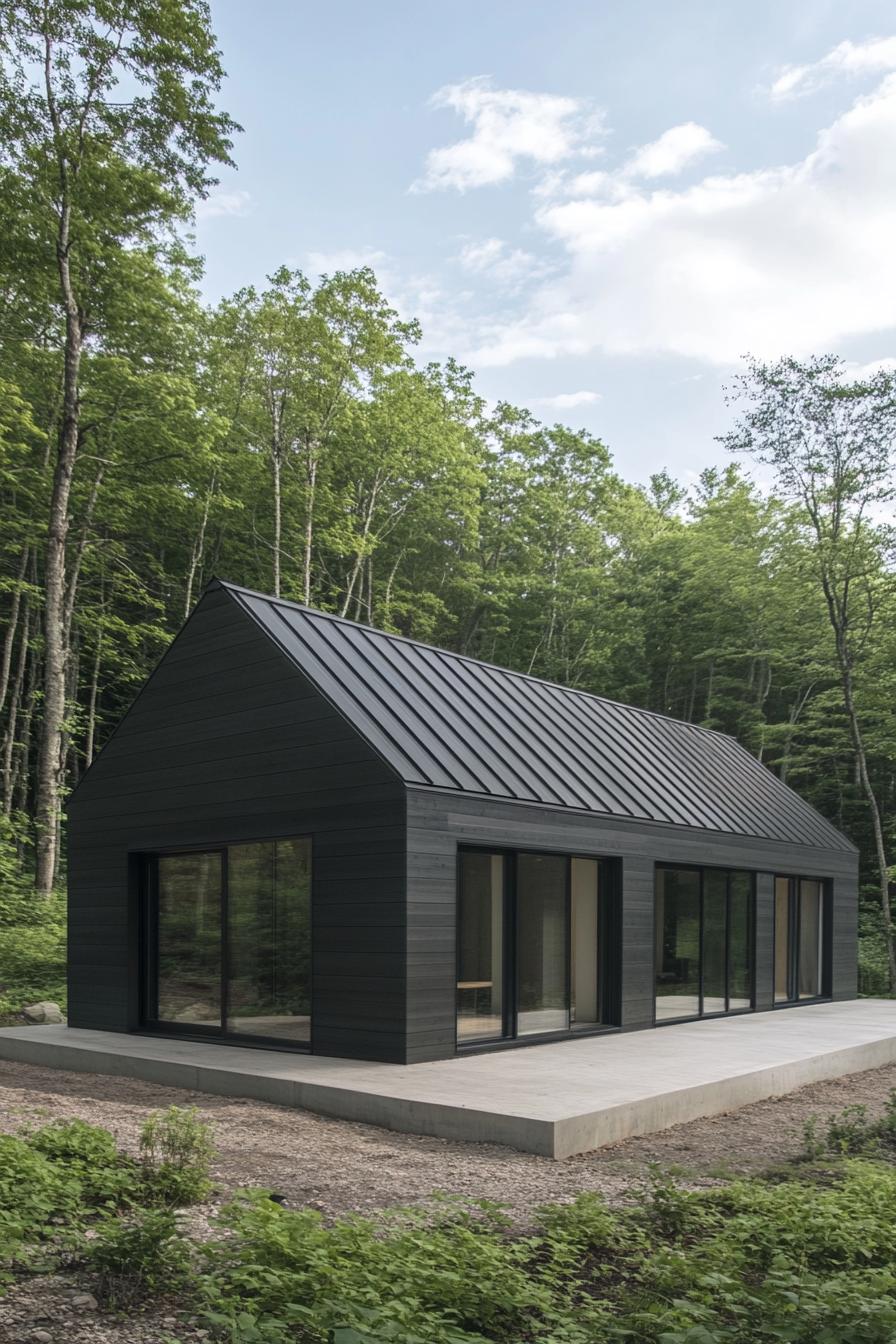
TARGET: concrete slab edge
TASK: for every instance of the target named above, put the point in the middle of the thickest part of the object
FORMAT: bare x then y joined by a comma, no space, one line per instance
648,1115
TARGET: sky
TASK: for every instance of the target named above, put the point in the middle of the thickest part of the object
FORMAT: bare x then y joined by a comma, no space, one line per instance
598,207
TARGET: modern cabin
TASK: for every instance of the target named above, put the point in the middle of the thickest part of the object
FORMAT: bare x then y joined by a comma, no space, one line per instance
308,834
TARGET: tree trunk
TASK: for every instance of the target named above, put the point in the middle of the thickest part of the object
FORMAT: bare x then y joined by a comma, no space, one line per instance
92,701
198,547
309,528
276,469
15,704
844,659
11,629
49,761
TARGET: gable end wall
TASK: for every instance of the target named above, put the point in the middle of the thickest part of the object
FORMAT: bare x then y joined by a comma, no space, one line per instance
228,741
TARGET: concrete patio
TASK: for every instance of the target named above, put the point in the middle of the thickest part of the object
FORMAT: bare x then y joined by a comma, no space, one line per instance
555,1100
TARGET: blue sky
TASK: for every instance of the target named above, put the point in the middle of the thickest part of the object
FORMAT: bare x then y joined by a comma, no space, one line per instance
598,207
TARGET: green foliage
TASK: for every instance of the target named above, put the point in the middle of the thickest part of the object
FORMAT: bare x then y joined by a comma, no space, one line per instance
138,1257
175,1152
852,1132
32,932
752,1261
56,1179
807,1260
90,1156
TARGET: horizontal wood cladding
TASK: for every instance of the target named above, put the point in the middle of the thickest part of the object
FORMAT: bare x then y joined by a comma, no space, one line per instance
439,821
228,742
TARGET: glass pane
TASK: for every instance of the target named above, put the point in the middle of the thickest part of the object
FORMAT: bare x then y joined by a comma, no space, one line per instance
782,939
715,899
480,943
541,934
740,941
585,1005
677,915
189,939
269,939
810,940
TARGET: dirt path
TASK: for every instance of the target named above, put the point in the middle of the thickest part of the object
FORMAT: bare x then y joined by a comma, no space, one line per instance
337,1166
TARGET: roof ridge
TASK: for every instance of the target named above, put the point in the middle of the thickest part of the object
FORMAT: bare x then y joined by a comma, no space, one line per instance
469,658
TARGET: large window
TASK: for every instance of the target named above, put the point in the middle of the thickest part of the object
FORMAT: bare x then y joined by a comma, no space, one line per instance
532,941
703,929
799,939
480,947
229,940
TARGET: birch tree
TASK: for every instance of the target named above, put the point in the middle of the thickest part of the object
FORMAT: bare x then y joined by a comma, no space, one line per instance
830,443
107,132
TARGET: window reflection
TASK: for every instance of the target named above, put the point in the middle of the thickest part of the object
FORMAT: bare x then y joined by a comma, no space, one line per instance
704,942
269,939
541,943
480,961
677,943
189,939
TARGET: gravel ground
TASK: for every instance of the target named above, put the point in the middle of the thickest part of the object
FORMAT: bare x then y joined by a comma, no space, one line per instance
338,1167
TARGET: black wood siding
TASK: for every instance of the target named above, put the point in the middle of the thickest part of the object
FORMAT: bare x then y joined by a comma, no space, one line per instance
228,741
438,822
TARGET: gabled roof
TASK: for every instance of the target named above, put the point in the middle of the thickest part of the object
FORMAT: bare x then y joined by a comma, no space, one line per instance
445,721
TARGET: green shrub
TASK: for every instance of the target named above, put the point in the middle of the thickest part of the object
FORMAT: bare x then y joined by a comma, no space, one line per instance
452,1275
814,1145
176,1150
850,1132
90,1155
138,1258
35,1194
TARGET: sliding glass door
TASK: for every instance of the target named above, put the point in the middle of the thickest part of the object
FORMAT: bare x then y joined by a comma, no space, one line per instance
480,947
228,945
532,934
799,939
190,890
703,931
542,943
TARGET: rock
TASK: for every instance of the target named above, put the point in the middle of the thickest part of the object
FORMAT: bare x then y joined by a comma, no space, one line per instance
41,1337
85,1302
43,1012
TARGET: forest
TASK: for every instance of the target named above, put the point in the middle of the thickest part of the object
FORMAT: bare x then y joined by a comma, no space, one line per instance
291,439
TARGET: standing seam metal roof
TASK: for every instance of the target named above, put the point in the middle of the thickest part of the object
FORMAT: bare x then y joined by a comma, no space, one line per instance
447,721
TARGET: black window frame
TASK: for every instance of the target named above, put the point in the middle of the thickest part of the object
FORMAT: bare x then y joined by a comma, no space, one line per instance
793,881
609,948
148,941
701,869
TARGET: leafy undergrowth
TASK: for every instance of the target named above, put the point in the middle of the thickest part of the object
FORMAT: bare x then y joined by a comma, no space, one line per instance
32,938
806,1256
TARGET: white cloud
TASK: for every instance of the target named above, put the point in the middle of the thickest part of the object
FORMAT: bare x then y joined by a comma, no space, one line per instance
675,150
793,259
508,126
345,259
494,260
220,203
875,55
859,372
565,401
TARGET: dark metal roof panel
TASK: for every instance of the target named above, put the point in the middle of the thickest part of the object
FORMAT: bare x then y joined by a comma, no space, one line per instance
446,721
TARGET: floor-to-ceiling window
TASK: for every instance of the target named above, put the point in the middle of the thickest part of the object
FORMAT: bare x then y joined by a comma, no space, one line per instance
228,945
703,931
799,939
542,943
480,947
532,938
